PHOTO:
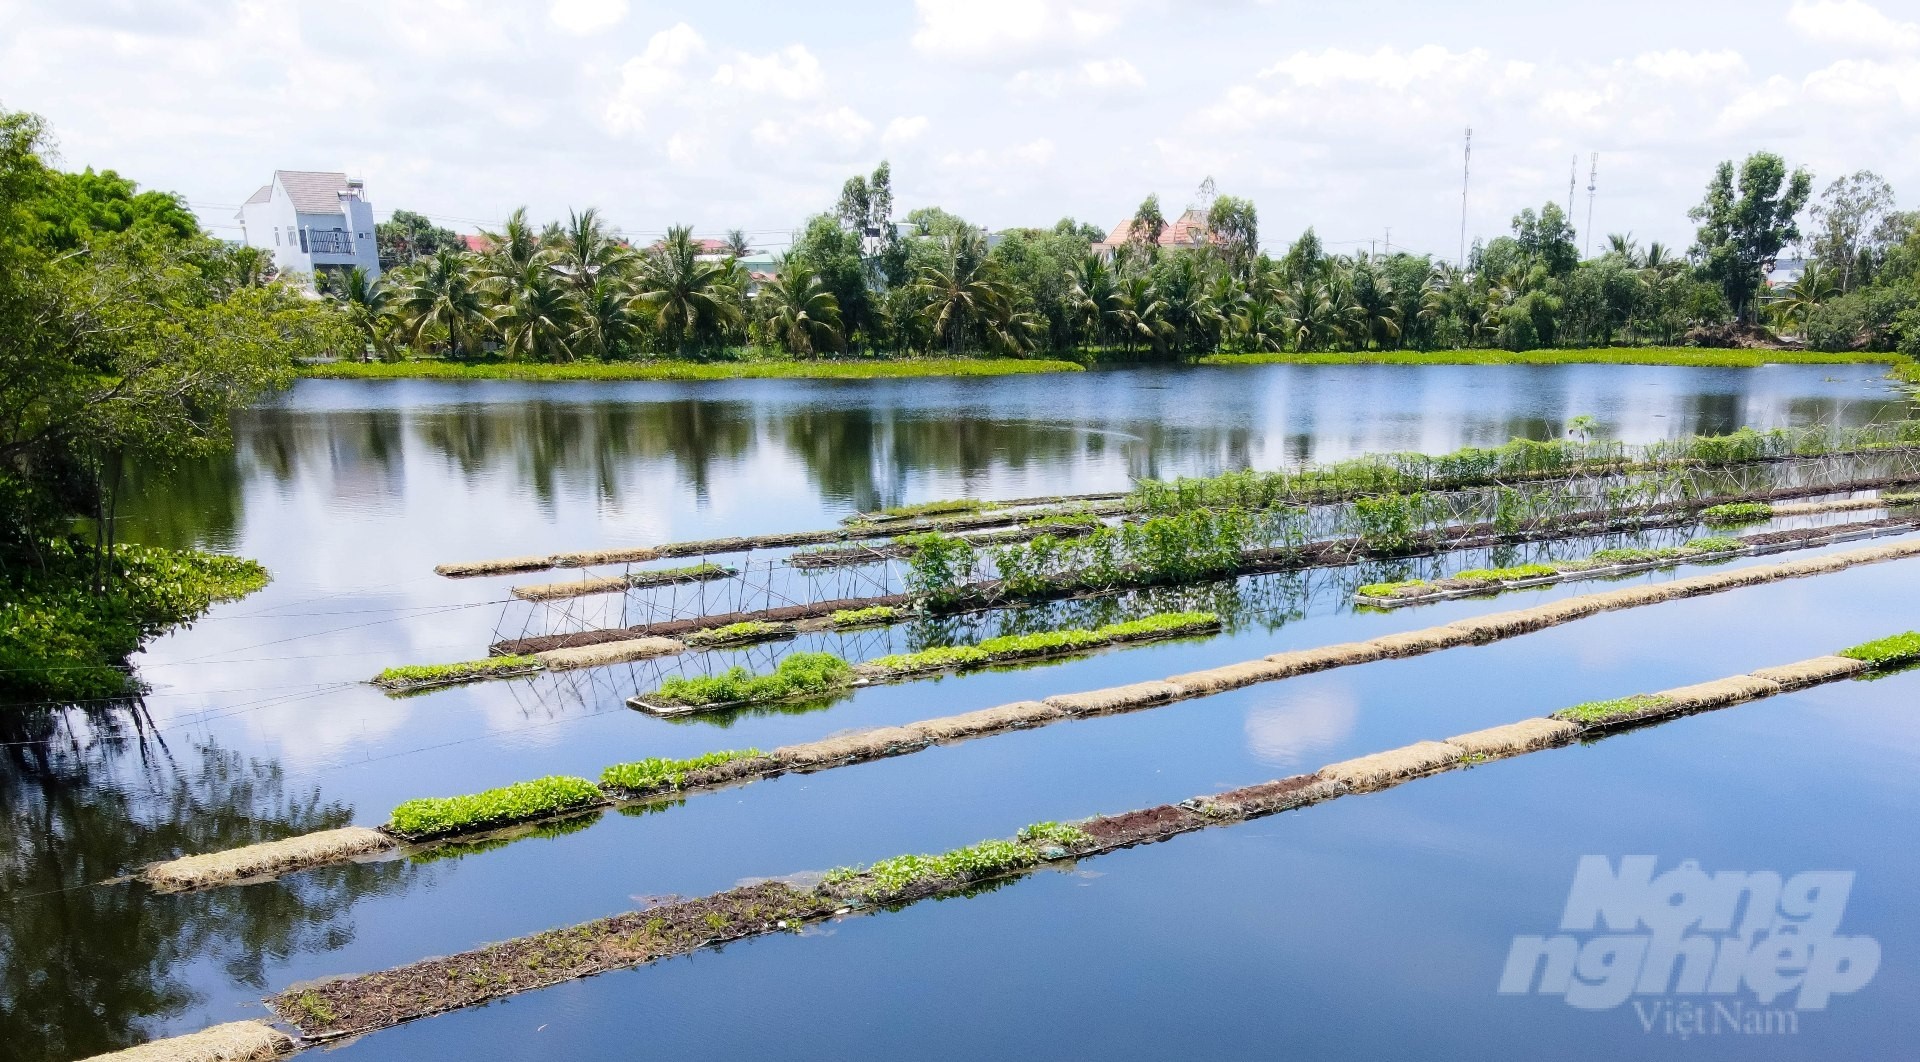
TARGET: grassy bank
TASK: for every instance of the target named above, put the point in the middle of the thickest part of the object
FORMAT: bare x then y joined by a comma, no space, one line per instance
865,369
61,640
1698,356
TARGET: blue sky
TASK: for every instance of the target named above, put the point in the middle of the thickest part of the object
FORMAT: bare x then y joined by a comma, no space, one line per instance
1345,116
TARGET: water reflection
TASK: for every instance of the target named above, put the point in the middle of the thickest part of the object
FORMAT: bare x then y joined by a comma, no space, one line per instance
91,796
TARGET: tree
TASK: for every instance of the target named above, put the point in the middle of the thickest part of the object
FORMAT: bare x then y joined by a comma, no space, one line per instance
1546,238
134,345
1849,219
73,209
691,301
408,237
365,302
536,317
1801,298
442,296
1745,222
1148,223
832,252
803,316
961,300
1235,228
585,255
737,244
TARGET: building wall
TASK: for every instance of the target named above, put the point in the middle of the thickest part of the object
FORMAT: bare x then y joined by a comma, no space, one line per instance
302,243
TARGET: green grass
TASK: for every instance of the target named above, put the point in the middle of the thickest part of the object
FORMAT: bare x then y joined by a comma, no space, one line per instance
667,369
876,616
466,670
1735,514
1887,652
1605,711
438,816
656,773
315,1008
1702,356
799,674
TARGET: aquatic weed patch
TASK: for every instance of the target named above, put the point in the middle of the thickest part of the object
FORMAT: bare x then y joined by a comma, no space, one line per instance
799,674
439,816
738,633
877,616
1615,710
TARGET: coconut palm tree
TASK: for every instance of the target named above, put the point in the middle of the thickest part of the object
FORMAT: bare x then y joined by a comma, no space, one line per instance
584,254
606,323
1796,304
442,294
737,245
1095,300
1260,325
364,301
511,250
1308,299
960,298
537,316
803,316
1142,314
692,302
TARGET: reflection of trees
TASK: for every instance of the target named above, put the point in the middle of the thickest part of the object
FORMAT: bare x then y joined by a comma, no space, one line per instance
87,967
199,504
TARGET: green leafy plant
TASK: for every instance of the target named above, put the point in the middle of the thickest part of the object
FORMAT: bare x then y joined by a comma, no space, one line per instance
1887,652
878,615
438,674
733,633
1066,835
438,816
1604,711
656,773
799,674
1736,513
938,570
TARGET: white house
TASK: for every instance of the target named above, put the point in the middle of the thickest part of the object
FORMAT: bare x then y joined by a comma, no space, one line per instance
312,222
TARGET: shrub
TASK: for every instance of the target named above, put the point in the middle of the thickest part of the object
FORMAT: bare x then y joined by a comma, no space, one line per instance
436,816
799,674
1736,513
659,773
938,570
1886,652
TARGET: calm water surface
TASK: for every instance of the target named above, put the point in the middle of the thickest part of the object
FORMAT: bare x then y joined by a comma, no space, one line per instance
1369,927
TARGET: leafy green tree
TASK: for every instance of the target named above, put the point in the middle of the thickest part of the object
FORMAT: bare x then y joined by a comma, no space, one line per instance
73,209
693,302
1744,222
1234,225
1850,231
1546,239
1148,223
803,316
408,237
443,298
833,253
961,298
536,316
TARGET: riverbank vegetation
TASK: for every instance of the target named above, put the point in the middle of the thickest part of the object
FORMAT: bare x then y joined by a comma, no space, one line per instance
127,337
861,282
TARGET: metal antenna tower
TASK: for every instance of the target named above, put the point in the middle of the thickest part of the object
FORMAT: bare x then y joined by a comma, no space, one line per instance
1593,183
1466,171
1573,172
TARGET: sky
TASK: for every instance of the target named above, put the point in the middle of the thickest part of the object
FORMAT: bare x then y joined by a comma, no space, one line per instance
1346,116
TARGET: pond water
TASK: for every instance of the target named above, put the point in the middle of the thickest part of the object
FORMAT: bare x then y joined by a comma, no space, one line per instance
1375,926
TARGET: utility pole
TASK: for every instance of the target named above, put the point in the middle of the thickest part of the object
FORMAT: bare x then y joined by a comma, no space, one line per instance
1593,182
1466,171
1389,241
1573,172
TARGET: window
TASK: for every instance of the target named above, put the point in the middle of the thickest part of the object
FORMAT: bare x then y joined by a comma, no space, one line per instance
276,237
303,241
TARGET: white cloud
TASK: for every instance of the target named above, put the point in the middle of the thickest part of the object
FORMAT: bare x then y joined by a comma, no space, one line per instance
1001,29
905,129
1110,78
790,73
653,74
841,127
587,16
1853,24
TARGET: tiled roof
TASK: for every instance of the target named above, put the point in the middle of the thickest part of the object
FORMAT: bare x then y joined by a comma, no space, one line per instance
477,244
1187,230
313,191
